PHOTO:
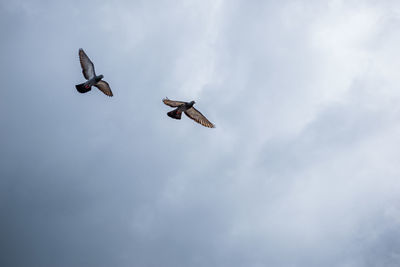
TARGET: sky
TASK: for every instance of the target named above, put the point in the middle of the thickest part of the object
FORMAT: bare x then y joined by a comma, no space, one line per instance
302,169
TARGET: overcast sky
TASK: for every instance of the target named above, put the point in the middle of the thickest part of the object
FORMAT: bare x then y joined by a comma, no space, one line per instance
303,168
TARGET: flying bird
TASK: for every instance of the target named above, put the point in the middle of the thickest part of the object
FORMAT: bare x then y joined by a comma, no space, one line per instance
91,77
189,110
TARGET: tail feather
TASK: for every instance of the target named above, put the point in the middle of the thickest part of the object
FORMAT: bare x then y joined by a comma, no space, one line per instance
175,114
82,88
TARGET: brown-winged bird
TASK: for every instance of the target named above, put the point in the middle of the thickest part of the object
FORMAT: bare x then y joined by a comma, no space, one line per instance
91,77
189,110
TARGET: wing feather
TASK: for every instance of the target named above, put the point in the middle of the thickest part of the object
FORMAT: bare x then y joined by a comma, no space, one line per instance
172,103
87,65
104,87
196,115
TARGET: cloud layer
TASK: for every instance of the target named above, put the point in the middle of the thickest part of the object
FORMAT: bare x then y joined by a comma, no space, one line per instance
302,169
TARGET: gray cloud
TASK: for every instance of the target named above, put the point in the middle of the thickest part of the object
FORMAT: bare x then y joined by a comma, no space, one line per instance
302,169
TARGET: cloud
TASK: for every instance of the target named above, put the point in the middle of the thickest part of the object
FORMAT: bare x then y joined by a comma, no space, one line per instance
302,167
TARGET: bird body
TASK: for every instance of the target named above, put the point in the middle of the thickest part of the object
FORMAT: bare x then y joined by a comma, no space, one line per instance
91,77
189,110
177,113
87,86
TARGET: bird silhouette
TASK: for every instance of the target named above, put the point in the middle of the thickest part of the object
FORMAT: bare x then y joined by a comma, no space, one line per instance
189,110
91,77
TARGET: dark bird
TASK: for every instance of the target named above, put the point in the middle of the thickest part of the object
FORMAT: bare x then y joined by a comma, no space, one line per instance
91,77
189,110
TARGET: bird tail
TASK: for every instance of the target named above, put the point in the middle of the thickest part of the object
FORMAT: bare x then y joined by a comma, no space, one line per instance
82,88
175,114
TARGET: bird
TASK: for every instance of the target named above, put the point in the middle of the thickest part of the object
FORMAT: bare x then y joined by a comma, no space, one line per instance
91,77
189,110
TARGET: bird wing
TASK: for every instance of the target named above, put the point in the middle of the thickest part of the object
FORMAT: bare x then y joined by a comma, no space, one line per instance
172,103
104,87
195,115
87,65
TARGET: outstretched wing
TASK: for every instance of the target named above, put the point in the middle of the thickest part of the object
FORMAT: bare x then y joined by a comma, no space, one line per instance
104,87
195,115
87,65
172,103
